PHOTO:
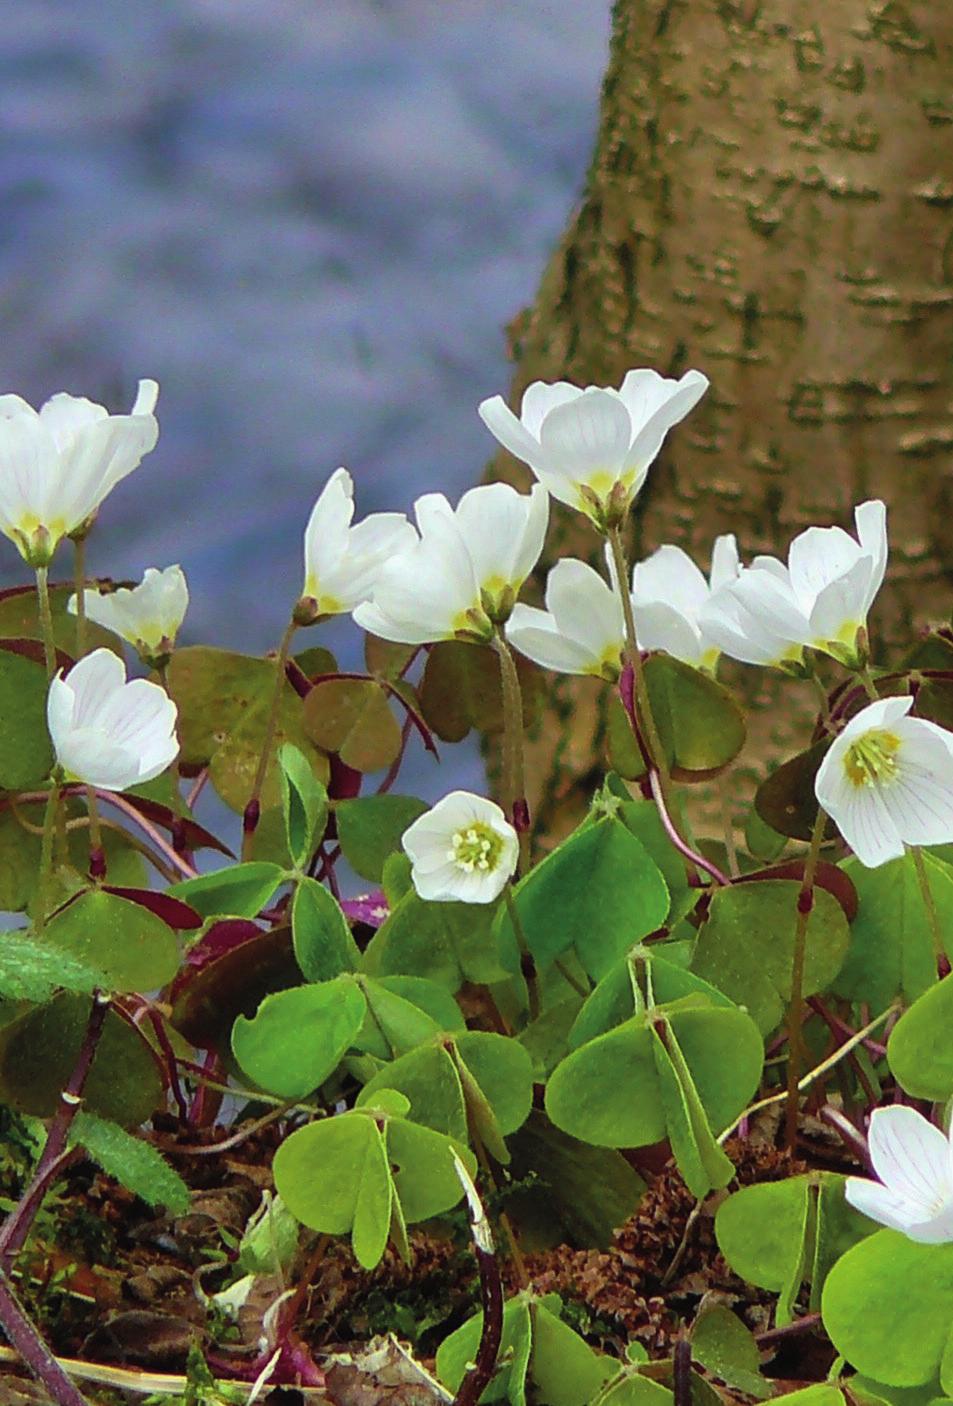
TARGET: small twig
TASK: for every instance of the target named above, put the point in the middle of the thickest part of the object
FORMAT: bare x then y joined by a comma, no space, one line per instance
682,1373
480,1374
684,849
788,1330
846,1131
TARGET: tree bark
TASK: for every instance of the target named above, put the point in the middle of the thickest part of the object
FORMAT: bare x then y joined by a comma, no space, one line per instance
771,201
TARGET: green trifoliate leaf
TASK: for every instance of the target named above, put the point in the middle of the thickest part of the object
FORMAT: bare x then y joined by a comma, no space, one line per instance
919,1050
240,891
323,944
304,803
32,970
26,755
299,1037
370,827
135,949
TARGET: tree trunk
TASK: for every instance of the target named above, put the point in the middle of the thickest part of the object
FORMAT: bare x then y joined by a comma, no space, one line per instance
771,201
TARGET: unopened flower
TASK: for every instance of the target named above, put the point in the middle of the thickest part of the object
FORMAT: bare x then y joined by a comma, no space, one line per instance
463,850
820,600
58,464
669,593
342,562
887,781
592,448
914,1163
460,579
107,732
581,631
148,616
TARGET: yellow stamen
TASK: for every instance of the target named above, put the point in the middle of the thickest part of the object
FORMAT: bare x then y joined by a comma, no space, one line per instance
871,760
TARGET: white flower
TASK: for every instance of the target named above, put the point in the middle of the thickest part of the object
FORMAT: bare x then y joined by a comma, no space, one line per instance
914,1161
887,781
466,570
463,850
57,464
107,732
592,448
581,631
668,595
819,600
148,616
342,562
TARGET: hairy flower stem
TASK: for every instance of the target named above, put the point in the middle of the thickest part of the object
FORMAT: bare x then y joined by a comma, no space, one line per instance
253,808
527,961
929,903
514,783
643,704
805,904
46,619
23,1336
17,1226
45,873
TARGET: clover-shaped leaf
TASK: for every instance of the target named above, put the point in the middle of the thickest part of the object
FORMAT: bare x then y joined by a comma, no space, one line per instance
323,943
304,803
369,830
135,949
299,1037
887,1308
449,943
919,1050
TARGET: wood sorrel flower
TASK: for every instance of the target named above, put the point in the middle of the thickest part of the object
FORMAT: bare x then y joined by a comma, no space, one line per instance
58,464
107,732
821,599
342,562
592,448
914,1163
887,781
464,850
581,631
669,593
461,578
148,616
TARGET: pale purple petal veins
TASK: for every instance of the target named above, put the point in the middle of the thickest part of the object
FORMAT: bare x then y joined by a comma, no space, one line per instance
880,1204
92,678
587,436
911,1157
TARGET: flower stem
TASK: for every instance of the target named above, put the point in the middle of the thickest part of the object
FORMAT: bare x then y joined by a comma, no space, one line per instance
23,1336
79,586
514,781
867,680
527,962
16,1228
634,657
46,619
929,903
45,873
805,904
253,808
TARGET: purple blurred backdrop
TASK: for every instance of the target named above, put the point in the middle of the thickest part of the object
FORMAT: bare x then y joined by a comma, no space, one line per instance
309,221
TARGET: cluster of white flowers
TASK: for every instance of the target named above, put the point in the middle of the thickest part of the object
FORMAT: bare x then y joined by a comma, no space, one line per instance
887,779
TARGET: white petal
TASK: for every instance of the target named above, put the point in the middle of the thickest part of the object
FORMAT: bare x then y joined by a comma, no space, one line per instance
859,812
326,535
670,576
911,1157
535,634
880,1204
494,522
543,396
842,604
587,439
370,617
871,521
370,544
817,557
584,606
29,472
147,393
501,422
679,402
59,711
64,414
920,797
89,756
724,561
659,626
883,713
91,680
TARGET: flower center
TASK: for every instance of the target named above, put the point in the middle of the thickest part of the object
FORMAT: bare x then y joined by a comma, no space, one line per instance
476,849
871,760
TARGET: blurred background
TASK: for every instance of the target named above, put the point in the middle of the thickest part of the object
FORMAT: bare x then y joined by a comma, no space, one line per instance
309,220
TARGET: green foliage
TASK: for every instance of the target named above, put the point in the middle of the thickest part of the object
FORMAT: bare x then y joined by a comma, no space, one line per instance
304,803
886,1306
449,943
33,971
298,1037
134,949
224,700
25,752
240,891
780,1234
746,947
678,1072
370,827
369,1173
700,724
919,1050
135,1164
323,943
597,893
726,1348
353,718
540,1357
